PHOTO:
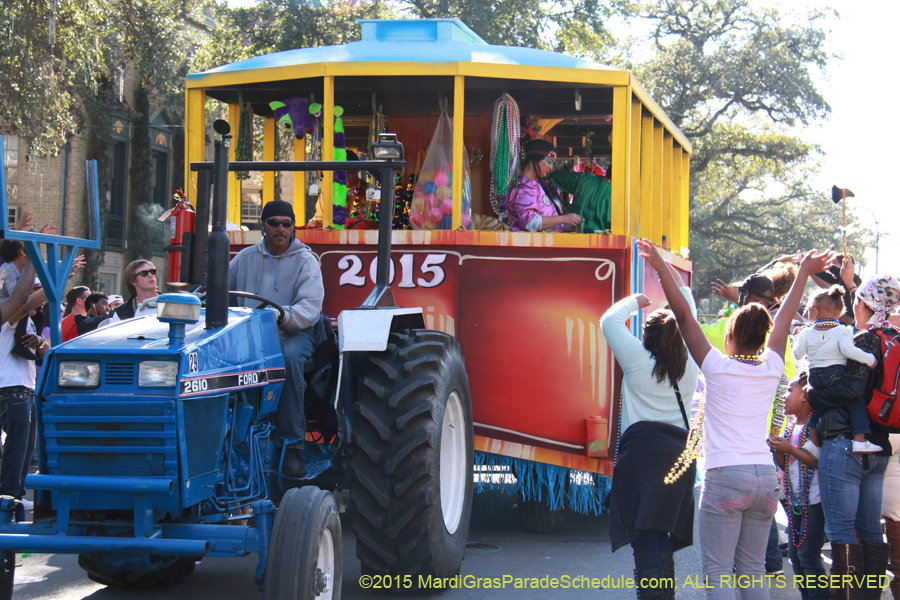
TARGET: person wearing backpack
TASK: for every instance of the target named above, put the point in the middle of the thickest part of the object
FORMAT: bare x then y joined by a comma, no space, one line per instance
851,484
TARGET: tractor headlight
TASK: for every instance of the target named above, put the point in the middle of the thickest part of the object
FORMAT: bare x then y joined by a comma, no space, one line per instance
158,373
79,373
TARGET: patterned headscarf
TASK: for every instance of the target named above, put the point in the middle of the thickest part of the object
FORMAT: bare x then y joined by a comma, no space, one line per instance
881,293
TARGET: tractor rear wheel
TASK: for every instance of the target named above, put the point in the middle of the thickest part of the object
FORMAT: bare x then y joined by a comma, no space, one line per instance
305,550
412,458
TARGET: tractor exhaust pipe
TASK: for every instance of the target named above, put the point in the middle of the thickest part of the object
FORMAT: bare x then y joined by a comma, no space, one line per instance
218,243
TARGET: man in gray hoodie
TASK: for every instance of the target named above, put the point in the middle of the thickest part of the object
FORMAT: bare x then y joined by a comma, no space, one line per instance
285,271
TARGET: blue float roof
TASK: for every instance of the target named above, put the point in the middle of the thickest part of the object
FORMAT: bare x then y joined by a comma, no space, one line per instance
416,40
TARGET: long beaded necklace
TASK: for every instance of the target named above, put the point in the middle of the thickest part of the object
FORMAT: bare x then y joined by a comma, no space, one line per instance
505,129
798,503
827,323
692,448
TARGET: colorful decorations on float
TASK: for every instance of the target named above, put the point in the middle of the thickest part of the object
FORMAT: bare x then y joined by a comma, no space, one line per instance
505,149
432,203
243,149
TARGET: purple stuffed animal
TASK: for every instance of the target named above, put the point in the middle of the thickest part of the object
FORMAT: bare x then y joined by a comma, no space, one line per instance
293,114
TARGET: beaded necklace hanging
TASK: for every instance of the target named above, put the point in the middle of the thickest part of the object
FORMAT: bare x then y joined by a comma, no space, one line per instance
315,148
244,148
747,359
827,323
798,503
504,151
693,448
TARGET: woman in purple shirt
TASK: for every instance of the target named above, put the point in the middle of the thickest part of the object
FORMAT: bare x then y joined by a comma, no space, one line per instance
534,204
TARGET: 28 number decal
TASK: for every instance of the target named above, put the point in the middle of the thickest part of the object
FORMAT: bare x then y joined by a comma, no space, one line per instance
433,274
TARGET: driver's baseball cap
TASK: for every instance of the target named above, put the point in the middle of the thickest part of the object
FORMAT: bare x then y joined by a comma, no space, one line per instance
760,286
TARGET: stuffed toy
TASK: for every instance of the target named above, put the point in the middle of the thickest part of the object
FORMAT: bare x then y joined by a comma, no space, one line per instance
299,115
294,115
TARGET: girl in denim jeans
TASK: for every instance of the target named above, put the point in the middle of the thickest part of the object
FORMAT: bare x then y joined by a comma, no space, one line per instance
739,495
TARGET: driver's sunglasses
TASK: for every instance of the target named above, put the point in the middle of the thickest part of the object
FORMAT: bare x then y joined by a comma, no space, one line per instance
548,160
146,272
275,223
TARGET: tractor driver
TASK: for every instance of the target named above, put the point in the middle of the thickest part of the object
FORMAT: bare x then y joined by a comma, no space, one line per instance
285,271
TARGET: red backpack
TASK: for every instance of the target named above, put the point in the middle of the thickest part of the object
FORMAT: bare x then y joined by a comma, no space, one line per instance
883,407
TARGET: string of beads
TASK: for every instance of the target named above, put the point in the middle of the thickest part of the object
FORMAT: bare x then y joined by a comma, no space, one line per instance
747,359
692,448
504,151
798,503
827,323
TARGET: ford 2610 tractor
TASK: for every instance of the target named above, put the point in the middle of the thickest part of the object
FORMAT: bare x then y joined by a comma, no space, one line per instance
156,434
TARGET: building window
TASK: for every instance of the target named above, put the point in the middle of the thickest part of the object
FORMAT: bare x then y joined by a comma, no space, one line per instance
12,215
251,208
11,162
160,178
108,281
114,236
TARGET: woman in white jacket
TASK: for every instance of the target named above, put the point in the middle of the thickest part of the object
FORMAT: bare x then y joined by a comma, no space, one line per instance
659,379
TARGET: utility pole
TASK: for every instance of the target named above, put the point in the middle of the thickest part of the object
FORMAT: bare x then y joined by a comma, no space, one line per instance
877,235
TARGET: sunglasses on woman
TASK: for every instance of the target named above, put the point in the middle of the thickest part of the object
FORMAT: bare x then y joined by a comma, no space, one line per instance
146,272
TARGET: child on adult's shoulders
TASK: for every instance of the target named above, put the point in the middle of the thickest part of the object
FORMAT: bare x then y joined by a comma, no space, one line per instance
828,345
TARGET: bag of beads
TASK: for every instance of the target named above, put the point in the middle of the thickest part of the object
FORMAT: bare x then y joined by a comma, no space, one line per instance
432,203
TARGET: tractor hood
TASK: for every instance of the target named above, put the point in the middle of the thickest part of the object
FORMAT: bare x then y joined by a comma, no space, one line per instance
149,334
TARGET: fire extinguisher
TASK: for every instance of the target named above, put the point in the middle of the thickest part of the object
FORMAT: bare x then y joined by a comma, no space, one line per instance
181,229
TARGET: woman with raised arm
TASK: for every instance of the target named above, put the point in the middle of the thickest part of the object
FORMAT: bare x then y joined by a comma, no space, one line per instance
740,494
655,518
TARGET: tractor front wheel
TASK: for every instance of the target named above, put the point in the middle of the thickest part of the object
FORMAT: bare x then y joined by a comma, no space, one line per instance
412,458
305,551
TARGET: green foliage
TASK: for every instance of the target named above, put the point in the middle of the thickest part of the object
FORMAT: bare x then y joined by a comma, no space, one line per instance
575,27
58,50
278,25
44,55
738,81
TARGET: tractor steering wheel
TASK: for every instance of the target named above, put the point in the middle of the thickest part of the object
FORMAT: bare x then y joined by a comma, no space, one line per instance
262,302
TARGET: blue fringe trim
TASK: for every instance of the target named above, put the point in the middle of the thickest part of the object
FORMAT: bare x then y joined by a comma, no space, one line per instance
560,487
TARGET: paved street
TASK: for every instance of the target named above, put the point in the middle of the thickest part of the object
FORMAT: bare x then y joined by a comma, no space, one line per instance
580,549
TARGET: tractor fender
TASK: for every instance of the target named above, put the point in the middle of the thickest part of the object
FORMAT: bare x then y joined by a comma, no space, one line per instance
369,329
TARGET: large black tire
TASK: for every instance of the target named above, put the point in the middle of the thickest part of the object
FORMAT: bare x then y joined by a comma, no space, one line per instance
305,551
412,458
7,574
170,574
535,516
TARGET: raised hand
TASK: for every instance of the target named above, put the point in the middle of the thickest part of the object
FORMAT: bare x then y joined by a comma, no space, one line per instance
78,263
729,292
847,271
648,250
26,221
815,261
642,300
48,227
795,257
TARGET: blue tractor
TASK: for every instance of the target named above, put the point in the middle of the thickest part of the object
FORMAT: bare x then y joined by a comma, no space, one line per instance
156,434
